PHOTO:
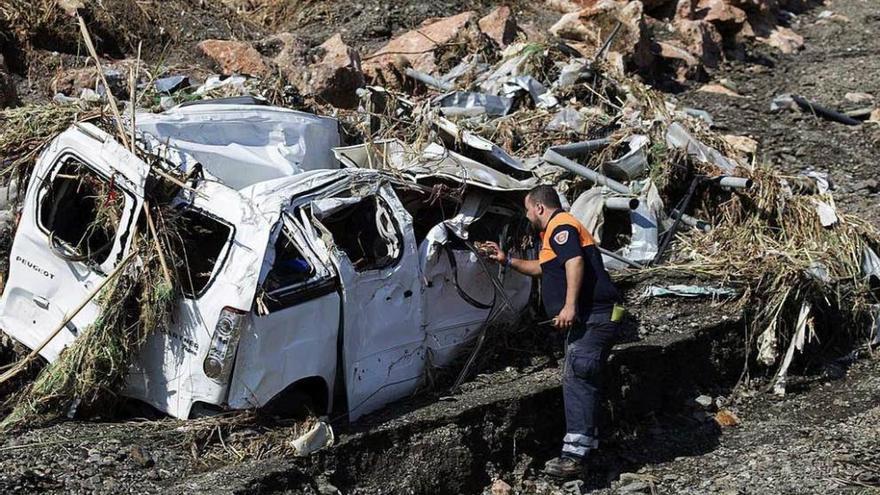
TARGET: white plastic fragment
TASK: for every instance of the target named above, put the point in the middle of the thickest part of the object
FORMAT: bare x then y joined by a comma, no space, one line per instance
566,119
678,137
216,82
804,324
875,325
570,73
871,265
782,102
700,114
589,209
319,437
827,213
767,344
823,181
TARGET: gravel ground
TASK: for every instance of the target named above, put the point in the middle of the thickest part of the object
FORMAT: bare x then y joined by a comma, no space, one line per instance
821,438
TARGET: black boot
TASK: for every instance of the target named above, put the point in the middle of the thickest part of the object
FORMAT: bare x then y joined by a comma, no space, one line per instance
564,467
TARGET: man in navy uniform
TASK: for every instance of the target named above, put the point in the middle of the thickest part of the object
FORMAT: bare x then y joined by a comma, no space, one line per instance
578,293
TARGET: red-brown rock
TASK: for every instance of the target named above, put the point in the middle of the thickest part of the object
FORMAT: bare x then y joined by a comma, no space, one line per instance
417,47
783,38
499,25
330,72
683,63
234,57
337,75
720,12
702,40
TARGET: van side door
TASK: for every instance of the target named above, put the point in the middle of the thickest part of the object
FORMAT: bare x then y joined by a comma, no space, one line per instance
292,336
375,252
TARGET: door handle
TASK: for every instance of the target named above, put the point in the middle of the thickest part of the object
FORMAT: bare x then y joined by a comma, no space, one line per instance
41,302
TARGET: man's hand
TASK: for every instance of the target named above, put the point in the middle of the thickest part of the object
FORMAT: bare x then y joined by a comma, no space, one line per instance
566,318
495,252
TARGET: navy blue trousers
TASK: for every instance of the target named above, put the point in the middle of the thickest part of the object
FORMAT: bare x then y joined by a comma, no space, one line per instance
587,349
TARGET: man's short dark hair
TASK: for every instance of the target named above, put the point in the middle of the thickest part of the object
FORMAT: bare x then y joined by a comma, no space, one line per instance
545,195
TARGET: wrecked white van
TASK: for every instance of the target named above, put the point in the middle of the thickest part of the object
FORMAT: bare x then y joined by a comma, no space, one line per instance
310,275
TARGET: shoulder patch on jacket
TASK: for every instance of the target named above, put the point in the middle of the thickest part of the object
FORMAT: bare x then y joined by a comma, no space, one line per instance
561,237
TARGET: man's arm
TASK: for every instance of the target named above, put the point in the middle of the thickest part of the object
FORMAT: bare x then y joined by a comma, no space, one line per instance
574,275
526,267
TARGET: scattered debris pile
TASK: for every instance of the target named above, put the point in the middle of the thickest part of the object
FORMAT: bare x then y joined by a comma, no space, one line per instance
658,189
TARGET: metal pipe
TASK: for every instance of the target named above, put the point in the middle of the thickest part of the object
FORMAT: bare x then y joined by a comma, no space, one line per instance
824,112
618,203
734,182
691,221
581,148
605,46
428,79
555,158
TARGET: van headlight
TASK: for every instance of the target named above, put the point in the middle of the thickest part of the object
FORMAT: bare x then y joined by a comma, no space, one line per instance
218,362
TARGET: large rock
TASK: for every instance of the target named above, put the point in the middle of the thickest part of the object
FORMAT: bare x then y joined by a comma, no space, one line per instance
234,57
783,38
330,72
500,26
701,39
720,12
416,48
591,26
337,75
681,62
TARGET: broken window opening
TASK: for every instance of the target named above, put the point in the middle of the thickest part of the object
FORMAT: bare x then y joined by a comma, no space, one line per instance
290,266
81,211
426,212
503,223
366,233
198,240
294,277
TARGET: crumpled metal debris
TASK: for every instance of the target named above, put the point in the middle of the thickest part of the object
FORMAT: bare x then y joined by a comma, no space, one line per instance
632,164
469,104
689,291
541,96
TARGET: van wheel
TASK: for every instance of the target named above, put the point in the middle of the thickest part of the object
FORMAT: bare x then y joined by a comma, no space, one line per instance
295,404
